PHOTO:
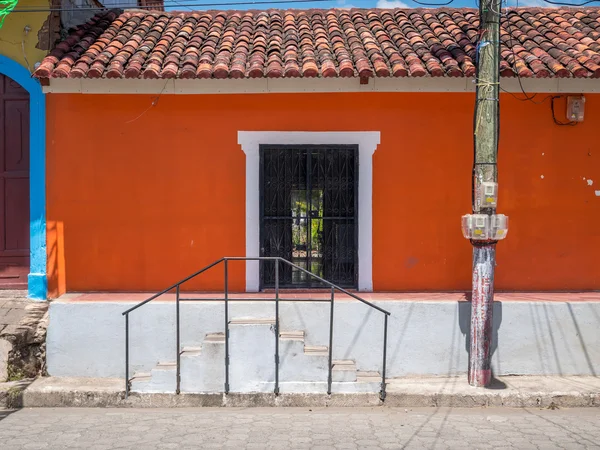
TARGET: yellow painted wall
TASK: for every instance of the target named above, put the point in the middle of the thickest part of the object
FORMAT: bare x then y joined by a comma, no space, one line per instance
12,34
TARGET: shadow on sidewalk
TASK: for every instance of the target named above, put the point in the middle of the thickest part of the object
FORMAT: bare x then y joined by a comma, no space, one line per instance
11,396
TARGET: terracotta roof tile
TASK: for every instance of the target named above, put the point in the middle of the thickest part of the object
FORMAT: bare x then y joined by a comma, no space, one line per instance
535,42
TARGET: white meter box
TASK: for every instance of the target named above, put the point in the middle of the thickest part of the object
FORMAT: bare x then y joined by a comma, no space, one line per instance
498,227
487,195
481,227
575,108
476,226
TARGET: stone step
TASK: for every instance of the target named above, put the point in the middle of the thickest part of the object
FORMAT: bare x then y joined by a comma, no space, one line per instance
166,365
367,374
292,335
368,377
191,351
316,350
251,353
251,321
141,376
204,370
161,379
320,387
215,337
343,371
343,362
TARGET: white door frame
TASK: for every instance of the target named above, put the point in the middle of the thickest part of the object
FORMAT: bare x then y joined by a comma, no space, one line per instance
367,142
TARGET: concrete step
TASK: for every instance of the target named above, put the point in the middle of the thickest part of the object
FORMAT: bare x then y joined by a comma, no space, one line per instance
166,366
191,351
204,371
535,392
161,378
292,336
215,337
298,362
343,362
320,387
368,377
251,353
141,376
252,369
316,350
251,321
343,371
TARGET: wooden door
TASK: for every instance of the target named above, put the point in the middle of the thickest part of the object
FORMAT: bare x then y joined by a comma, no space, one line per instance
14,184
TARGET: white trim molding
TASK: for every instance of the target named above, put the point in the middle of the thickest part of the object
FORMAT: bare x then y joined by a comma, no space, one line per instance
307,85
367,142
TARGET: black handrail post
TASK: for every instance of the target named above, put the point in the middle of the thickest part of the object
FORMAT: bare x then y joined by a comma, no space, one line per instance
276,327
178,390
278,260
330,368
226,294
126,355
385,329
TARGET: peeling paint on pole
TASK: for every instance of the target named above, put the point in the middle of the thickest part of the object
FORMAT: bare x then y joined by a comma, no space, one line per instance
482,308
485,169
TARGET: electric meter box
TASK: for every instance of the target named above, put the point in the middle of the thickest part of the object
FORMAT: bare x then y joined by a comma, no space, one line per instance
498,227
487,195
575,108
476,226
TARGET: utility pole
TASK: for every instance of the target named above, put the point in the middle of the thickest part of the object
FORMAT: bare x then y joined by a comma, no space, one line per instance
484,228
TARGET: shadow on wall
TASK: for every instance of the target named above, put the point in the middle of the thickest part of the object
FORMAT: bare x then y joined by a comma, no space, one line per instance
464,320
561,332
56,259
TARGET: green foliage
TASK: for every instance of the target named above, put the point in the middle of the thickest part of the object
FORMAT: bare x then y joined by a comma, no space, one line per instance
6,7
15,374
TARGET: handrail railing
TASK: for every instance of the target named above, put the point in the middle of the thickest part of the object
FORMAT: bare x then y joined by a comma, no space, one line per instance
277,299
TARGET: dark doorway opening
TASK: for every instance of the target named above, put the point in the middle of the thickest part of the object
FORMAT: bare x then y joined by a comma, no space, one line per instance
309,199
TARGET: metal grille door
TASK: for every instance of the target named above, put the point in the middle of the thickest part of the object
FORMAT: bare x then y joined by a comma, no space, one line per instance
309,213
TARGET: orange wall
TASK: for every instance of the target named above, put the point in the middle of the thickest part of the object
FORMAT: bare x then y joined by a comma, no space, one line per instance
137,202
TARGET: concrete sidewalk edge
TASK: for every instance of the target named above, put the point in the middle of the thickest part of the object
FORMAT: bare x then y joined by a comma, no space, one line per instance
515,392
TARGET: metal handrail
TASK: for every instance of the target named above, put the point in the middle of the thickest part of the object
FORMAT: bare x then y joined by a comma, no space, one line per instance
277,299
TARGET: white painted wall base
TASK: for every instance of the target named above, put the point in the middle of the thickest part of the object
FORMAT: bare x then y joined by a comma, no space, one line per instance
302,369
86,339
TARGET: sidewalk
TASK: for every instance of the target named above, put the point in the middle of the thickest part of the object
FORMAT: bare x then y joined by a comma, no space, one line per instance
23,326
515,391
300,428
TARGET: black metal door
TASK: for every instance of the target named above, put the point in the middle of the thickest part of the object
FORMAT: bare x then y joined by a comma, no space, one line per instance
309,213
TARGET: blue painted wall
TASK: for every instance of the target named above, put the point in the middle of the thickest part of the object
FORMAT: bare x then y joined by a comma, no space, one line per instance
37,280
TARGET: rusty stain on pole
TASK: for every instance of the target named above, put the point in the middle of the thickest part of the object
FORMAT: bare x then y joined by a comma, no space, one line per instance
485,173
482,306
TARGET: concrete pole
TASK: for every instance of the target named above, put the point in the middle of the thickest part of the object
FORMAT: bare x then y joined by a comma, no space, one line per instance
486,130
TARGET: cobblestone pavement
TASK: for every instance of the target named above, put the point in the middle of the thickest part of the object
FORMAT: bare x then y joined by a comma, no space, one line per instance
12,309
300,428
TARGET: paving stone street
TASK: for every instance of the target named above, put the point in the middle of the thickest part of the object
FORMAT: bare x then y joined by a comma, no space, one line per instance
300,428
12,309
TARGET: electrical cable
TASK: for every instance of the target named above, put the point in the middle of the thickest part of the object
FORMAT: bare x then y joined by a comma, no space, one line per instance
183,4
489,87
154,102
556,121
510,33
179,4
435,4
530,98
552,2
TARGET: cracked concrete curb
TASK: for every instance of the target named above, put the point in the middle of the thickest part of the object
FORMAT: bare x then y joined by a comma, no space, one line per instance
100,392
11,393
509,400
